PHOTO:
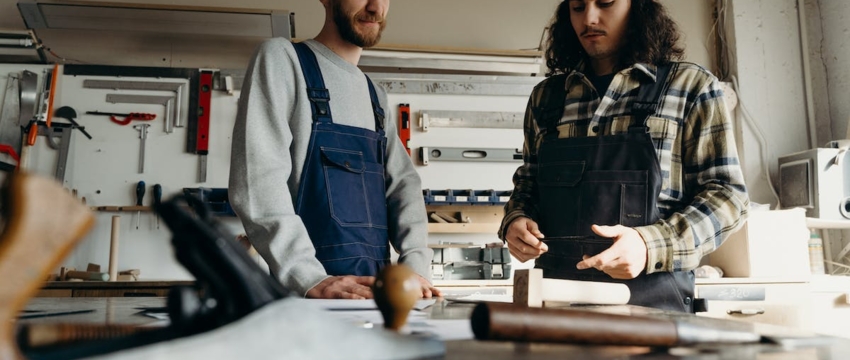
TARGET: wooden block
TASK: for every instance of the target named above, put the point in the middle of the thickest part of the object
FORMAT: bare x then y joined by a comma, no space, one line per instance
135,272
527,291
93,267
127,277
63,273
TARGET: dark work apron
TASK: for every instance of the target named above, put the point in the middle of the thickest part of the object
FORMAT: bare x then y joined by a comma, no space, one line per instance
342,196
605,180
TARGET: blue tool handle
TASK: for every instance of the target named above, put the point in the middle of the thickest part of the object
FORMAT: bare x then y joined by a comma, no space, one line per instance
140,192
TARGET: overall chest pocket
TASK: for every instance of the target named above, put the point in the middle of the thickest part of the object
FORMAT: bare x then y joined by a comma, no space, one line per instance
664,134
355,188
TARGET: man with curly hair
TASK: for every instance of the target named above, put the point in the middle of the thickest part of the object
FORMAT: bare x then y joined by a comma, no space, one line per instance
630,167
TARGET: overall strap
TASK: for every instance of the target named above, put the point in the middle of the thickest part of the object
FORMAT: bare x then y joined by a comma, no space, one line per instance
376,106
318,94
550,109
649,97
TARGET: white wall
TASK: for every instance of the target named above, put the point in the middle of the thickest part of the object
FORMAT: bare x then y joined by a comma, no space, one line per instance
771,77
830,53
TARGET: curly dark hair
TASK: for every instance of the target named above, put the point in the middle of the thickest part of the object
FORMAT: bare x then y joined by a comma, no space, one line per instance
652,37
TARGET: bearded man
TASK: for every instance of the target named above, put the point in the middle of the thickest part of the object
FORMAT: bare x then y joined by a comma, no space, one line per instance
320,182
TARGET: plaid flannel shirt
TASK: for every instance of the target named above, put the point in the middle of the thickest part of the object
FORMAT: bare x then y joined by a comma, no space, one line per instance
703,197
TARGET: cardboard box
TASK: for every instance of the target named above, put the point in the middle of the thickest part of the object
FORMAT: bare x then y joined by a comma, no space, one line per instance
772,243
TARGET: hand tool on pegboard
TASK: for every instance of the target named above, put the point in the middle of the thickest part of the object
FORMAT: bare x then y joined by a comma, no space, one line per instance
143,136
10,129
140,196
157,200
201,125
404,125
43,110
127,117
68,113
173,116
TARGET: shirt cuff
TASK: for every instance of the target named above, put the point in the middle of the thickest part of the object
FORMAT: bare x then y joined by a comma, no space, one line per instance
659,248
507,220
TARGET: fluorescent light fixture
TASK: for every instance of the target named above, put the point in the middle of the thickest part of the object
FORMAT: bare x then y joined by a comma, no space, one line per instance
50,14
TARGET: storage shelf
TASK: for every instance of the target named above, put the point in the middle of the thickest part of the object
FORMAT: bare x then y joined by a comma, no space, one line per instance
490,228
816,223
484,219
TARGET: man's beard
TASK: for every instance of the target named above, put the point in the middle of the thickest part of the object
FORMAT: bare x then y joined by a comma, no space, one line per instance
349,33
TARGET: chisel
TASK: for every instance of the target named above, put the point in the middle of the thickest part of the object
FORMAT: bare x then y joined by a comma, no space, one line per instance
140,195
157,200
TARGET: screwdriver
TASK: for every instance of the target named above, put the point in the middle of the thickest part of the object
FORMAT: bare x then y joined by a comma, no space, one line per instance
157,199
140,194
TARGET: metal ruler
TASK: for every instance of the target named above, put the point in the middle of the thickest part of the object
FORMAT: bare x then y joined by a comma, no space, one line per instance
429,154
175,87
470,119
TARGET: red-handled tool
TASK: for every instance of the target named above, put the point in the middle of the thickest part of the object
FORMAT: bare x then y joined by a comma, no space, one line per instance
7,149
128,117
202,144
404,125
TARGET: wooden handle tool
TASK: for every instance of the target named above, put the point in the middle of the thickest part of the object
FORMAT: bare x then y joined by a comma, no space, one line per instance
508,322
43,222
396,290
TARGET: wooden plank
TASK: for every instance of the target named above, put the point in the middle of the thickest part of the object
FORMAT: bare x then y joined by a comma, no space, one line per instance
141,292
54,293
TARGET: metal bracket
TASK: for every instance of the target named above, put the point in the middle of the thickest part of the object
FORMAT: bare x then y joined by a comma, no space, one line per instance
175,87
428,154
470,119
63,132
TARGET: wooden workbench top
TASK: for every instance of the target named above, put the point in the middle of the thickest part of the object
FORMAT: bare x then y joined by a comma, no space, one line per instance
114,284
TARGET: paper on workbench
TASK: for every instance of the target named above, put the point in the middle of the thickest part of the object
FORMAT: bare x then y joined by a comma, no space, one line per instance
504,298
367,304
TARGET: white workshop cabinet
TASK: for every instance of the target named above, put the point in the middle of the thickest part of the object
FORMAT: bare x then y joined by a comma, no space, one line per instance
820,305
830,304
777,302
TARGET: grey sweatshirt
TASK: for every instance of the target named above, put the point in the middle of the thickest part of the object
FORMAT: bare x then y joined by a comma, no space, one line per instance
270,140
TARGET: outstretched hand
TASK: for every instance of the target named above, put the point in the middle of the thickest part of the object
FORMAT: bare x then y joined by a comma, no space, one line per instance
343,287
428,290
625,259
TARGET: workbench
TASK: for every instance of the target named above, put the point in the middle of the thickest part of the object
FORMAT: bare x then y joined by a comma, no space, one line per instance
124,311
109,288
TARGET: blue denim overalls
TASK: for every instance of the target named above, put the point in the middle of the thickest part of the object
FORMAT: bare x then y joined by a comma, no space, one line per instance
604,180
342,196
